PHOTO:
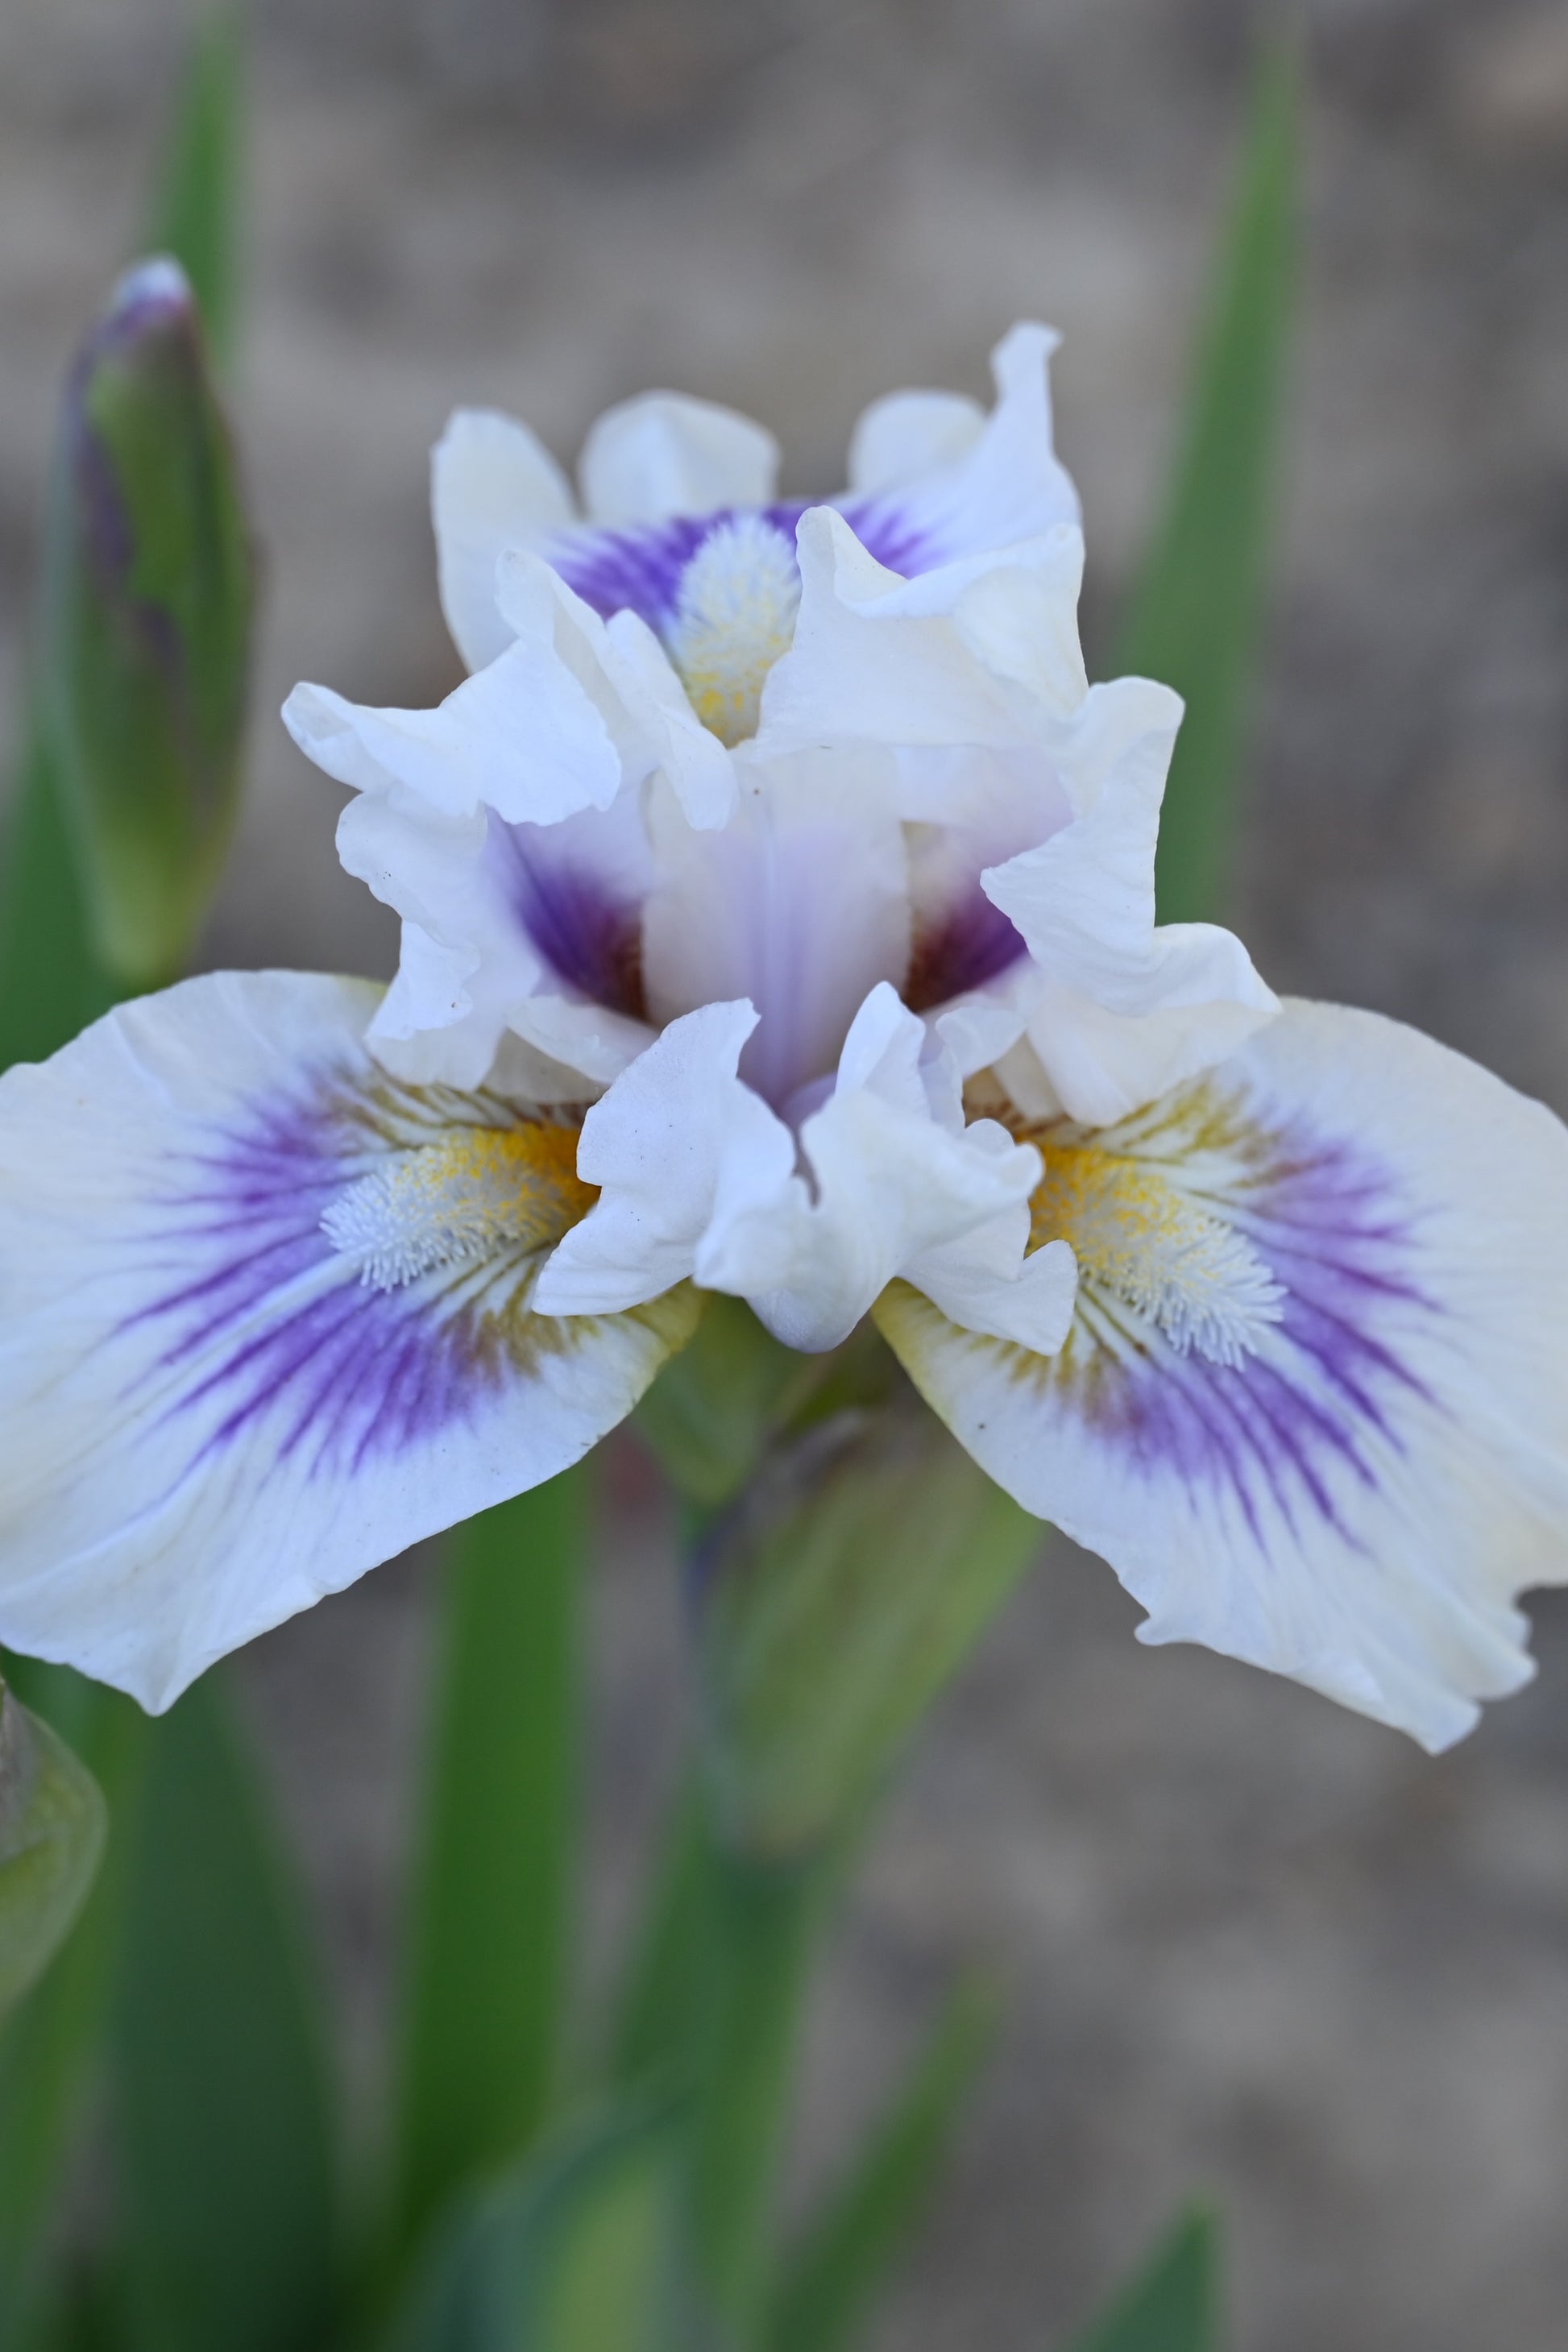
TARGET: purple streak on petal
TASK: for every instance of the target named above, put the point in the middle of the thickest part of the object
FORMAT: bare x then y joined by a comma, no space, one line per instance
973,943
1319,1401
638,567
276,1326
591,939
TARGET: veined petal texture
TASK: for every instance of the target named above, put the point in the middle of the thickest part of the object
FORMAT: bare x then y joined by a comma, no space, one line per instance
1314,1405
266,1318
931,477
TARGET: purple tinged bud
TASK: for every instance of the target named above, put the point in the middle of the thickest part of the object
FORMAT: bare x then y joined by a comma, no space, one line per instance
149,592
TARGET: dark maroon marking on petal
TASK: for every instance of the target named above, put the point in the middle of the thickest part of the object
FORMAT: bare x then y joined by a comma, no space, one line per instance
639,567
972,944
590,941
344,1374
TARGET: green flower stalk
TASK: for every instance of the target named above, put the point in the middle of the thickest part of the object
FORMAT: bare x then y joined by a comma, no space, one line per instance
149,596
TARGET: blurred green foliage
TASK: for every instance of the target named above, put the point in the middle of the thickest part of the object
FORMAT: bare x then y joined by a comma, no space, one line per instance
1196,612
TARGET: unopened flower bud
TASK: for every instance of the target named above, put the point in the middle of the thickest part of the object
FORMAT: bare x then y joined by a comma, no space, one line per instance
833,1604
52,1825
149,589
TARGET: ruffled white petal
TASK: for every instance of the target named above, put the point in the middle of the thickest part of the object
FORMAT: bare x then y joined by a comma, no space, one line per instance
671,1129
981,652
493,486
1355,1495
906,434
697,1176
892,1183
1125,1010
522,736
1007,484
971,680
626,675
664,454
214,1411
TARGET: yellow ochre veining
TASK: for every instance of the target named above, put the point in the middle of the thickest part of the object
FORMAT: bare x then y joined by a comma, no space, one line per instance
474,1194
1142,1238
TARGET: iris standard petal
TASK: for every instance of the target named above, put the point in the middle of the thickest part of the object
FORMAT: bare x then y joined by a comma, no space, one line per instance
493,486
664,452
1314,1406
1006,484
266,1318
907,435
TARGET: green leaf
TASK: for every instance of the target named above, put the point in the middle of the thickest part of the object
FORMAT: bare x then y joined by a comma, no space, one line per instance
51,984
224,2143
49,2044
760,1926
1173,2304
836,2270
494,1889
196,211
1194,617
659,2011
53,1824
573,2253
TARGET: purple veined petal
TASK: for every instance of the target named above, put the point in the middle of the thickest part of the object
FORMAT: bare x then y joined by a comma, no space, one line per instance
640,567
267,1321
993,805
576,892
800,905
1314,1405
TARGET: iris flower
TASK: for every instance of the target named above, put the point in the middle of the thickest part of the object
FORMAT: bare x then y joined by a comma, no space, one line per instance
778,920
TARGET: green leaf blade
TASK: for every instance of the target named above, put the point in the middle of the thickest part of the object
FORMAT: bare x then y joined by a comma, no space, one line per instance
836,2272
221,2108
1194,617
197,210
1172,2304
494,1890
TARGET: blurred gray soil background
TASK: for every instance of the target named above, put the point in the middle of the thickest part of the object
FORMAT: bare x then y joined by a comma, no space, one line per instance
1257,1947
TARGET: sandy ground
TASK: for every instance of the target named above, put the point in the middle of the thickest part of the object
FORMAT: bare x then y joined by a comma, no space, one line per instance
1256,1946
